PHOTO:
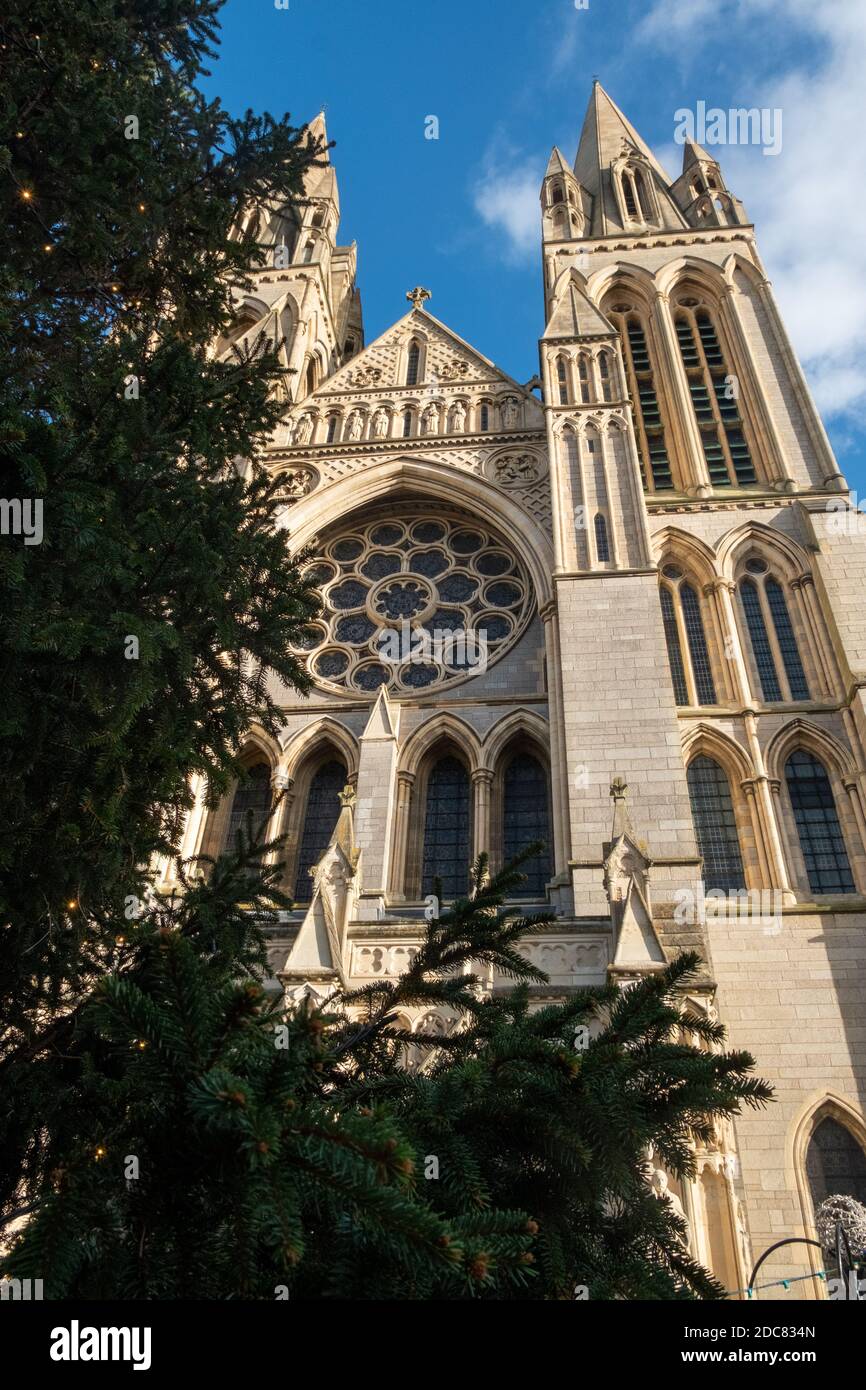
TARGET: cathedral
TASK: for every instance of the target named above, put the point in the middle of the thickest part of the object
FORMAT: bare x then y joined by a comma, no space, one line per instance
614,609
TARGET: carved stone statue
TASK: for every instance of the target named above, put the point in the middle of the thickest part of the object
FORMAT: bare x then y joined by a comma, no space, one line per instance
431,420
296,483
356,425
510,413
516,470
458,417
380,423
660,1184
303,430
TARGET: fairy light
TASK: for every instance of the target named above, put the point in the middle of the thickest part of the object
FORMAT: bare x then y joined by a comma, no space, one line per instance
778,1283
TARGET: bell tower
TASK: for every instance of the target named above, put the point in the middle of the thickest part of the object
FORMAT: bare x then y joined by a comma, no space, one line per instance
305,294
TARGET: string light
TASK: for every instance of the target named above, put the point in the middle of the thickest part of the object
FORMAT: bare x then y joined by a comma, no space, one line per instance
26,194
778,1283
71,905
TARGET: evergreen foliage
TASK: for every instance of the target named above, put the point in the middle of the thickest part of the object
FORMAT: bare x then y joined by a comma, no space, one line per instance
117,271
333,1154
307,1167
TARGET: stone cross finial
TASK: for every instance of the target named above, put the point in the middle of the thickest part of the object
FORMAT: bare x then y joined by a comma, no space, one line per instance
619,788
347,795
418,296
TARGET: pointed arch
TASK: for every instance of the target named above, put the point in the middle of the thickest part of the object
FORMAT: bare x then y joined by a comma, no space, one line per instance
674,544
438,761
445,727
711,742
259,743
778,548
521,722
517,757
704,274
821,811
619,278
827,1105
258,749
314,761
785,645
429,477
321,733
693,633
804,733
738,262
408,365
705,741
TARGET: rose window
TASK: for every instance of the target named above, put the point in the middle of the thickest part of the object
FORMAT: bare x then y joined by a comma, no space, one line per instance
413,604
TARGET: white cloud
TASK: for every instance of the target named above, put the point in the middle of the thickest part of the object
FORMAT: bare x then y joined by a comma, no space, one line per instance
809,203
507,199
671,21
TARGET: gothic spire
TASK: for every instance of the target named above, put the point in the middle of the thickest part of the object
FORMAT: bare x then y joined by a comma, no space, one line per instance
610,145
318,132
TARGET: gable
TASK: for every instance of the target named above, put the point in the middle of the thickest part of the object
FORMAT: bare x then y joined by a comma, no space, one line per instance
449,363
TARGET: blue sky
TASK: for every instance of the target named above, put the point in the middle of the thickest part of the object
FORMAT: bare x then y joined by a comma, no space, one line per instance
507,79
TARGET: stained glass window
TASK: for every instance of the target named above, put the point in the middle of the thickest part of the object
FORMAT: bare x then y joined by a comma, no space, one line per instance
413,362
446,829
786,639
439,576
322,812
701,669
675,655
602,546
583,376
562,379
715,825
835,1163
763,652
818,825
604,372
526,819
252,794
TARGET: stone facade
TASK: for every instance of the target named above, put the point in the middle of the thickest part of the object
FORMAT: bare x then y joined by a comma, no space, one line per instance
658,548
